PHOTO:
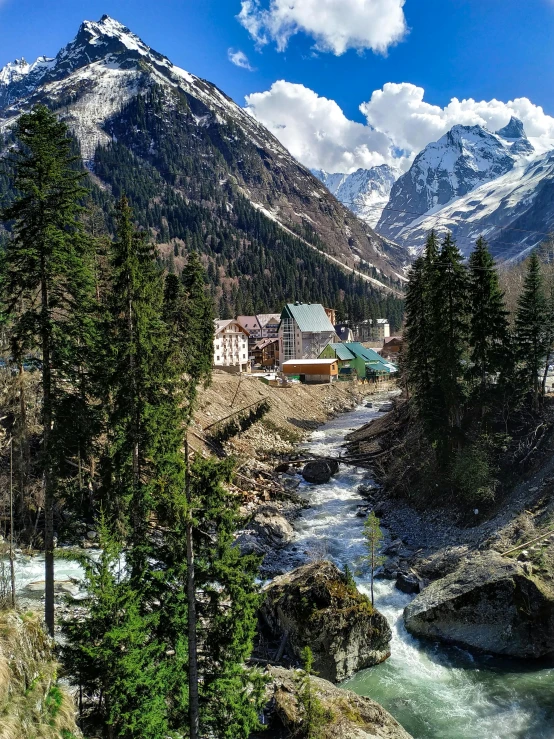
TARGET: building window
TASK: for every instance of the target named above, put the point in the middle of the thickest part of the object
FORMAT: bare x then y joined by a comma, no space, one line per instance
218,358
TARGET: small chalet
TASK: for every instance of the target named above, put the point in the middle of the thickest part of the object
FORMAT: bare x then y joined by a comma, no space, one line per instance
392,347
266,352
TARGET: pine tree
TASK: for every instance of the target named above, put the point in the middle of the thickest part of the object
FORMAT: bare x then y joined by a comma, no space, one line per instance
448,346
315,717
188,312
373,538
531,330
488,327
420,359
47,288
112,656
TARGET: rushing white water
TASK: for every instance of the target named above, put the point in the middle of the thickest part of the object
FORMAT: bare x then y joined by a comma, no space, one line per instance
435,692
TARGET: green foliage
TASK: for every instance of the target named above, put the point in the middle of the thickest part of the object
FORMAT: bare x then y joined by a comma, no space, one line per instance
48,299
471,475
373,538
531,329
314,716
53,703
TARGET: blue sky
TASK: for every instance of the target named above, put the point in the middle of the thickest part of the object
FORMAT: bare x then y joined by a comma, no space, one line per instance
479,49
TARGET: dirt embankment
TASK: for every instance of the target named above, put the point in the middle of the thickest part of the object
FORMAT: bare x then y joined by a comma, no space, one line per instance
434,538
294,412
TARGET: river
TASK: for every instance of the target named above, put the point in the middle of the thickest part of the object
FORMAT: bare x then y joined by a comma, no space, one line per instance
435,692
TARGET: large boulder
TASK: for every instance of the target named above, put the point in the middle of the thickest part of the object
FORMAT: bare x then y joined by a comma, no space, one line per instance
315,606
267,531
489,604
351,716
319,472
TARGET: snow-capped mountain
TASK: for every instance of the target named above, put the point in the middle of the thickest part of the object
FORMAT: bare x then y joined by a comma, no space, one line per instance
473,182
115,92
365,191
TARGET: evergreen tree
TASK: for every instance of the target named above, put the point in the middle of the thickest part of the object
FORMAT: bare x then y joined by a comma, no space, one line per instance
488,327
373,538
448,347
47,289
315,718
419,330
531,330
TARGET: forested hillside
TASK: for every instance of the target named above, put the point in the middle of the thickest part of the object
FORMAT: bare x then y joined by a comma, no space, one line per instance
201,174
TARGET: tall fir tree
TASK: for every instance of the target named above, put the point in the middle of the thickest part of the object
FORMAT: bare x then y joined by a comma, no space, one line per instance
448,347
531,330
488,325
47,290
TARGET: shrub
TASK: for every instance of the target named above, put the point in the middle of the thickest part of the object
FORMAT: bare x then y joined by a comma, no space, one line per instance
471,475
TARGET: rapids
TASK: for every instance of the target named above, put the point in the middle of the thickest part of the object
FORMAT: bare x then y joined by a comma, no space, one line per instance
435,692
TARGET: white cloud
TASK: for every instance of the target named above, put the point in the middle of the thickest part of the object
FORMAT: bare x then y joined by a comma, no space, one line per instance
335,25
316,131
238,58
400,111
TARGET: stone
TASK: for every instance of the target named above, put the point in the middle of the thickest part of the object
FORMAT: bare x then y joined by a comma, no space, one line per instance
393,548
489,604
67,587
351,716
267,531
317,472
316,607
407,583
92,535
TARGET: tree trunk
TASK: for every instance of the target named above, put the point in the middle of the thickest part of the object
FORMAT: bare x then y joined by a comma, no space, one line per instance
194,710
47,464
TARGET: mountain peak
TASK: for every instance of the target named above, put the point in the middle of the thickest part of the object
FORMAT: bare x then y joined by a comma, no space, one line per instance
512,130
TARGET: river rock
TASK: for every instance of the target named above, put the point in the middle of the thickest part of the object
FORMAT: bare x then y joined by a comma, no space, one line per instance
267,531
407,583
67,587
316,607
317,472
489,604
351,716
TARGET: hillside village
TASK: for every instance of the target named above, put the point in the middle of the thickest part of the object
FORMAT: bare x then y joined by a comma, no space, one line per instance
304,343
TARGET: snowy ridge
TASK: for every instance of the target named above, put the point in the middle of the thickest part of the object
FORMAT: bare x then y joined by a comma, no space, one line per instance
471,182
365,192
91,83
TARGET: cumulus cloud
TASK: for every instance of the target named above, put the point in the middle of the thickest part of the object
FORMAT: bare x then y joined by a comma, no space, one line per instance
238,58
400,111
399,124
315,129
335,25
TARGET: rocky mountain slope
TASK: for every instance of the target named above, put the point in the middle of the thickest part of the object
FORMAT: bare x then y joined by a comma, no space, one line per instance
200,172
474,182
365,192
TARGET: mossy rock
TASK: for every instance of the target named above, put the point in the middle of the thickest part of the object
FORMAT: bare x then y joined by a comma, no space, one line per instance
317,607
350,716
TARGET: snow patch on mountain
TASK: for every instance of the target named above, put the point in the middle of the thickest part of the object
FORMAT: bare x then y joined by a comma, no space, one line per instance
365,192
461,183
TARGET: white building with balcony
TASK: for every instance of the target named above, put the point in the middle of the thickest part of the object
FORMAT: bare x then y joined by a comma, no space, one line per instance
230,346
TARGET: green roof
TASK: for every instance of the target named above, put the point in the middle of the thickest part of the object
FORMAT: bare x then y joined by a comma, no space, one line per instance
359,350
310,317
372,360
341,351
